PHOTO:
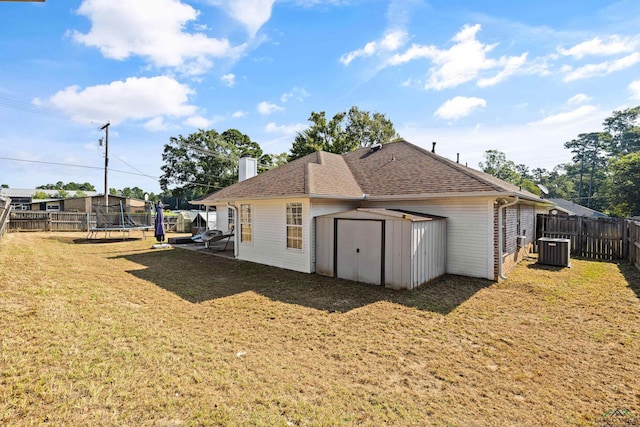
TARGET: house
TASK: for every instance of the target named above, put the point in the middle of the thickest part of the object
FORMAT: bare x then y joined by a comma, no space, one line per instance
22,198
490,223
565,207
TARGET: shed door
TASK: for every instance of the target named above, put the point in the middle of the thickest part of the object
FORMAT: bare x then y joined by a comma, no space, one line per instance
359,250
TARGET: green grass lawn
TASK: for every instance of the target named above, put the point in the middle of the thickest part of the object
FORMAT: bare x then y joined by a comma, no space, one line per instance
116,333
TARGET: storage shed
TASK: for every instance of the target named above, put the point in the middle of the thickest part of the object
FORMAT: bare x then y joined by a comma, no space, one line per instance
398,249
189,221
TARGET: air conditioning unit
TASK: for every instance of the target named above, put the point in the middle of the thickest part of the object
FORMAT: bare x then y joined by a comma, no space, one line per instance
553,251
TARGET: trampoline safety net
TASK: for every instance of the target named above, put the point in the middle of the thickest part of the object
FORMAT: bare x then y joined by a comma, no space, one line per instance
119,217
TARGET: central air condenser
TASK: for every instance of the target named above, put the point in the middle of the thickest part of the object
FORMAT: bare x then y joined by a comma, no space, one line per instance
553,251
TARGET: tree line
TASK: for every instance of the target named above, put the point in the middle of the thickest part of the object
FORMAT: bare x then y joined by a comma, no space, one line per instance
206,161
604,173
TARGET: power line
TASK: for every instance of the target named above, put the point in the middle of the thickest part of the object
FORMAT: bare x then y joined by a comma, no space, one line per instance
77,166
44,110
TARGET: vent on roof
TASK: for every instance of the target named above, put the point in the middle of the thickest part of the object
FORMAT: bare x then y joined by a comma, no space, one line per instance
376,147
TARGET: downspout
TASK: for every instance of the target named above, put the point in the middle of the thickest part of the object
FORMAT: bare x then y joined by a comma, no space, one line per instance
501,234
235,229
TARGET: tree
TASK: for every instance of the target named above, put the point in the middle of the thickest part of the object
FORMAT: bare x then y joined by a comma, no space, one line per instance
344,132
4,186
204,161
70,186
624,130
270,161
134,193
40,195
496,164
364,129
587,150
624,185
61,194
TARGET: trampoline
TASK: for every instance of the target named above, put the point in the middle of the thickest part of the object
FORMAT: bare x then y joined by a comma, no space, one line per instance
117,218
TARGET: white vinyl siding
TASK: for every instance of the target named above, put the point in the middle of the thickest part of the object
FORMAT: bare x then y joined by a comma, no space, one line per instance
469,231
269,245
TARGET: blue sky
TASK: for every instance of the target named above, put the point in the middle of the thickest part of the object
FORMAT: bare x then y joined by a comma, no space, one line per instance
520,77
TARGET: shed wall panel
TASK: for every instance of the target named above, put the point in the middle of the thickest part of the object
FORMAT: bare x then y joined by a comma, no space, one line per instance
324,244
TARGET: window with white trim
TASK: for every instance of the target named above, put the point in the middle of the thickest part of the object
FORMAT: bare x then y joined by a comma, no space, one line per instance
246,228
294,226
232,219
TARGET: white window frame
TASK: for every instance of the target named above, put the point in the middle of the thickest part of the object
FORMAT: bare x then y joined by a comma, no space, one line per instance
294,221
246,224
231,219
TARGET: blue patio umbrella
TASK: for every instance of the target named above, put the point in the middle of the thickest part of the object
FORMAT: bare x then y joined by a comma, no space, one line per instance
159,225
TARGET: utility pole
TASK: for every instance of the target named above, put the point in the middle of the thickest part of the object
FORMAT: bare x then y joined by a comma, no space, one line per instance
106,162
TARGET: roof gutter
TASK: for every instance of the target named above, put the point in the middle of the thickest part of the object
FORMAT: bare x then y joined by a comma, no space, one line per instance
501,235
491,194
235,229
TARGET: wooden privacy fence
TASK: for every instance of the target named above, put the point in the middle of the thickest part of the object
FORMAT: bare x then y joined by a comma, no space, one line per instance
593,238
5,209
634,243
57,221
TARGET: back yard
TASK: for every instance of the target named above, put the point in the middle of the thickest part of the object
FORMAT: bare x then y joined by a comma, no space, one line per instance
114,333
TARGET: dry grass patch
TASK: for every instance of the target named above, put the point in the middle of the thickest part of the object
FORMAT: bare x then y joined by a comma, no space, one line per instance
119,334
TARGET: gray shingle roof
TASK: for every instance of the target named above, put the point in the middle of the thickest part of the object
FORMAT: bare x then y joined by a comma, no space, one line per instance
398,169
575,209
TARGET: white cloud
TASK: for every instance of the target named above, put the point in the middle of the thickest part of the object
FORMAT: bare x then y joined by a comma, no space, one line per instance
603,68
229,79
568,116
154,30
462,62
534,144
156,124
459,107
611,46
290,129
634,87
266,108
253,14
198,122
391,42
239,114
297,93
580,98
133,98
510,66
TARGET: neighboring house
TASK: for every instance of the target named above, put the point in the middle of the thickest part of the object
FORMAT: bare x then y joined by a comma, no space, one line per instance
565,207
83,204
22,198
490,224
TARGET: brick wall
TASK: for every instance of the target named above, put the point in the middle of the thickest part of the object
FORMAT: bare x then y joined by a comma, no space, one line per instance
496,242
518,220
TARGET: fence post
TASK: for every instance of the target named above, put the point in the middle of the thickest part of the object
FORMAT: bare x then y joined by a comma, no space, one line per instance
625,238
